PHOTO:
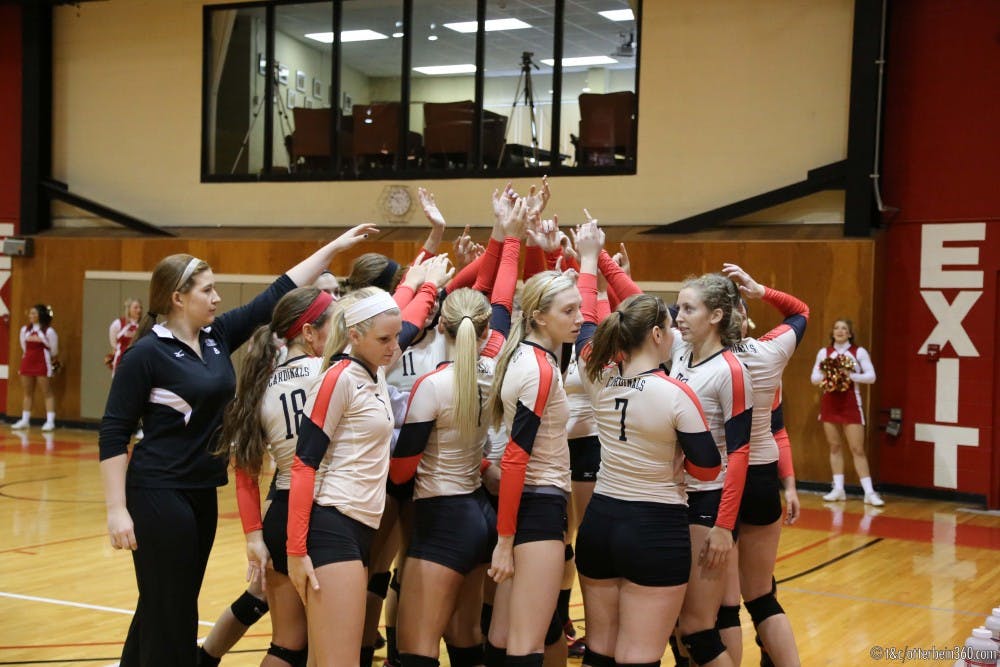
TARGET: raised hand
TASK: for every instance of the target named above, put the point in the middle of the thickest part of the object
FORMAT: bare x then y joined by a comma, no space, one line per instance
503,201
430,208
416,275
465,249
749,287
439,270
545,233
354,236
621,259
538,199
589,240
515,222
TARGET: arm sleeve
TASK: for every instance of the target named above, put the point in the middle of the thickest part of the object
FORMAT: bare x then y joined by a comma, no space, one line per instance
736,396
817,375
403,295
421,415
130,387
701,456
796,313
488,268
534,261
415,314
618,281
236,326
533,394
466,277
587,285
502,298
248,501
113,331
603,308
866,374
52,342
327,405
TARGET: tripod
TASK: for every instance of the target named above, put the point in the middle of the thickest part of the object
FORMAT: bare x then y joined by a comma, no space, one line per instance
524,90
284,122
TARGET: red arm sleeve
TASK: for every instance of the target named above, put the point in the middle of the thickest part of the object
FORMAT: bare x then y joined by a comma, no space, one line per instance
488,268
786,467
248,501
618,281
534,261
506,275
603,309
403,295
466,277
418,310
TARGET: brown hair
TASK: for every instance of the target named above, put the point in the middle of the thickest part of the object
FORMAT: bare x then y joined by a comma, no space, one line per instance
850,329
243,434
368,268
625,330
718,292
163,284
465,316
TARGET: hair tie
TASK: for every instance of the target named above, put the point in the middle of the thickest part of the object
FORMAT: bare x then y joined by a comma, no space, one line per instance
368,307
188,272
311,314
152,314
384,279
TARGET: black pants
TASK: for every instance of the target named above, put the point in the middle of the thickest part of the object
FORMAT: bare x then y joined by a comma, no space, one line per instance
174,530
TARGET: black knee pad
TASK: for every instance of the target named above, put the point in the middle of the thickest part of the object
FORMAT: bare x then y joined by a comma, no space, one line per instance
379,584
411,660
494,656
530,660
485,619
555,631
704,646
729,617
248,609
593,659
465,656
763,608
639,664
394,582
367,656
679,660
293,658
568,554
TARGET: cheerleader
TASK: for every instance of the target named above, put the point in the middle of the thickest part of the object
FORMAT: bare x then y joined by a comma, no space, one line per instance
529,399
40,347
122,331
634,548
709,323
760,509
337,487
841,405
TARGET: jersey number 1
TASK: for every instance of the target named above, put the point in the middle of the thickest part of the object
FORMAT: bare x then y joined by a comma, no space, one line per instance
622,404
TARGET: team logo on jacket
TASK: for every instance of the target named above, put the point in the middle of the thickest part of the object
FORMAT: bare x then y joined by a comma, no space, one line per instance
179,353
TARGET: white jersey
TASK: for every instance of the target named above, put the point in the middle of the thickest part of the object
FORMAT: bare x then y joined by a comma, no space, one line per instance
582,422
420,358
282,409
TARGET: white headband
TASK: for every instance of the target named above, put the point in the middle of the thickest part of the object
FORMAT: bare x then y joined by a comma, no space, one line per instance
368,307
188,271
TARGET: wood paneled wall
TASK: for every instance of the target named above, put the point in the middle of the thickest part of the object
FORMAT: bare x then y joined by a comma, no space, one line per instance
836,278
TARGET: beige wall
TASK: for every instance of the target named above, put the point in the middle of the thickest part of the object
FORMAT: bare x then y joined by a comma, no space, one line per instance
736,98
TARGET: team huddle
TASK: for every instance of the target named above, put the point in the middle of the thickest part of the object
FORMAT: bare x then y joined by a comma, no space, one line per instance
484,438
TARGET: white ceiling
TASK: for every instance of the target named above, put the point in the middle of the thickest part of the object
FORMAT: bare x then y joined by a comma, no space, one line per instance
586,32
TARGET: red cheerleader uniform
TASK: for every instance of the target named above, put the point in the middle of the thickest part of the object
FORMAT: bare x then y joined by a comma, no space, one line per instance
844,407
38,350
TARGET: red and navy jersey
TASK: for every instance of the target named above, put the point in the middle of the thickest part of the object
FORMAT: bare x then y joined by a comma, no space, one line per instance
766,358
180,395
725,390
342,454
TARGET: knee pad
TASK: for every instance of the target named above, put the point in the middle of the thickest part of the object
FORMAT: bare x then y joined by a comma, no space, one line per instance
394,582
704,646
639,664
293,658
555,631
530,660
379,584
763,608
485,619
679,660
593,659
494,656
367,656
774,586
465,656
411,660
729,617
248,609
568,554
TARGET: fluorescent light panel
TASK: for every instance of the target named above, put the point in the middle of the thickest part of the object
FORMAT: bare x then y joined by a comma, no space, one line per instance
434,70
347,36
582,61
618,15
491,25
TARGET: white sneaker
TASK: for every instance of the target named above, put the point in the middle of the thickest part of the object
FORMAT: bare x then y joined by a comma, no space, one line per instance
49,426
20,423
835,494
874,499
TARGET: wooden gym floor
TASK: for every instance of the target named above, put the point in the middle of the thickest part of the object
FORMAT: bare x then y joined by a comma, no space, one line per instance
853,580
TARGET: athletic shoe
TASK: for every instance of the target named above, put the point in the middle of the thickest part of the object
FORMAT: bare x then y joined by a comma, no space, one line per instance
577,648
874,499
835,494
49,426
20,423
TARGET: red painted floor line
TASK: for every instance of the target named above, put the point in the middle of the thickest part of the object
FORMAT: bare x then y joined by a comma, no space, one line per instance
914,530
48,544
815,544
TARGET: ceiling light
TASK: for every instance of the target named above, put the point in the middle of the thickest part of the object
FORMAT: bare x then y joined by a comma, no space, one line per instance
347,36
432,38
491,25
397,35
618,15
582,61
585,89
446,69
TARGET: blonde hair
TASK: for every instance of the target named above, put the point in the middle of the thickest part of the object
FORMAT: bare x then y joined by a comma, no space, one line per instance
338,339
538,294
718,292
465,316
